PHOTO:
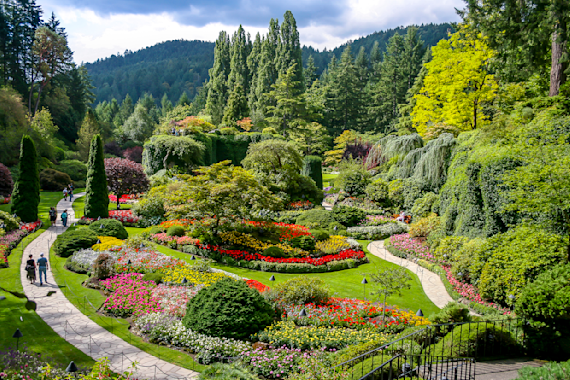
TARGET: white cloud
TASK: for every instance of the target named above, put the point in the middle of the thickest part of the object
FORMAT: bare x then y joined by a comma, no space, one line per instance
92,36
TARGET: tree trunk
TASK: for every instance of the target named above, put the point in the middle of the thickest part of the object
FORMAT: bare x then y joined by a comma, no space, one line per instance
557,76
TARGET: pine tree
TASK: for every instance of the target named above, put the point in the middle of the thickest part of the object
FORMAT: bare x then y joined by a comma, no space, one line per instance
26,195
267,73
237,106
184,100
166,105
217,86
289,51
310,72
413,54
239,73
89,128
126,109
252,67
97,194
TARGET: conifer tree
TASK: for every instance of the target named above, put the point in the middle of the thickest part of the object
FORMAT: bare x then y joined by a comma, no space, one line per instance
237,106
413,55
125,110
184,100
217,86
89,128
361,63
289,51
97,194
310,72
239,73
267,73
26,195
253,66
166,105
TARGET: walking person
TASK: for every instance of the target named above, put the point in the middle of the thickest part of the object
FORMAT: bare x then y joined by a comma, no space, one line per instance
31,269
53,216
65,193
42,268
64,218
70,192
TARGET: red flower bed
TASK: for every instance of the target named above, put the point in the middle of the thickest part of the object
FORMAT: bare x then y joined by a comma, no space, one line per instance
301,205
32,226
5,200
125,216
254,284
124,198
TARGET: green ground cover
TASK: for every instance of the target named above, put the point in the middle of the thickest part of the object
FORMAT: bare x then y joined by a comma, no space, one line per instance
346,283
89,300
327,178
16,312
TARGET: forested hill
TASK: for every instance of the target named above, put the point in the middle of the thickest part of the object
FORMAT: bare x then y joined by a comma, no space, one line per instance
173,67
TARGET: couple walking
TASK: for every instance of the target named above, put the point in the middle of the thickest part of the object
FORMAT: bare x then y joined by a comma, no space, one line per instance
53,216
42,265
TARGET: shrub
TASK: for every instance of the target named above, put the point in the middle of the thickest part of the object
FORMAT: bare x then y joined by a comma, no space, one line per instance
73,240
353,177
71,265
134,154
396,193
466,260
53,180
472,341
103,266
162,152
175,231
425,226
315,218
306,243
302,290
348,216
219,371
151,207
376,232
10,223
448,248
113,148
111,227
550,371
6,183
518,257
423,206
453,312
545,303
229,309
320,235
76,169
313,167
26,195
156,277
269,131
274,252
353,351
378,192
97,194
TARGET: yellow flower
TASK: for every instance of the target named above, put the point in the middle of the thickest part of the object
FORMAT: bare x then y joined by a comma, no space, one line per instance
107,242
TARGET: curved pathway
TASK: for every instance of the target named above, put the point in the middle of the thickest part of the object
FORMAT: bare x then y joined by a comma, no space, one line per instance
431,282
75,327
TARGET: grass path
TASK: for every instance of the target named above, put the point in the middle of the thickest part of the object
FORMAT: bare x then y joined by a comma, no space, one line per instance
16,312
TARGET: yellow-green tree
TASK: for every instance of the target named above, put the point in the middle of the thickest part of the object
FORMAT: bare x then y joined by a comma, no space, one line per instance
457,84
333,157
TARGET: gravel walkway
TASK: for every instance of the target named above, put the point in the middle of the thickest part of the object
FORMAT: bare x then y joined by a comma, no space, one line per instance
75,327
432,284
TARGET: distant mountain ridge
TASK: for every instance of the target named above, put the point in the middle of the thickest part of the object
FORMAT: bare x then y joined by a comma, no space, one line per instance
173,67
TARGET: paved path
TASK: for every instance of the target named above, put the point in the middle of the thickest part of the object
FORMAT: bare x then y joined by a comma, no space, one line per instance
75,327
431,282
503,369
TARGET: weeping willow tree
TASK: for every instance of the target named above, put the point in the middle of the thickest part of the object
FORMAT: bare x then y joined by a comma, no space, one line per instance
393,147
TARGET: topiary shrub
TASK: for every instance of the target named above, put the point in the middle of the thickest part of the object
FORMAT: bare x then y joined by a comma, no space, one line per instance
175,231
220,371
473,341
348,216
320,235
453,312
315,218
97,193
111,227
274,252
53,180
302,290
545,303
306,243
6,183
156,230
73,240
229,309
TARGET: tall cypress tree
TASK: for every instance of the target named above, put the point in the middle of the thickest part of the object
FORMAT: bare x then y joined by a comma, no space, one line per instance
310,72
166,105
267,73
97,197
26,195
252,67
218,84
412,56
237,106
239,73
289,51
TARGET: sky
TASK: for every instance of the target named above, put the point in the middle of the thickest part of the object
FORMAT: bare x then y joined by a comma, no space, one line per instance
99,28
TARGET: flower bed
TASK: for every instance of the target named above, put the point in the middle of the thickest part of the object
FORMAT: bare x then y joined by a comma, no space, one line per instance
144,260
84,258
5,200
125,216
301,205
173,299
275,362
125,198
376,232
314,337
107,242
254,284
375,220
164,329
31,227
130,295
193,277
174,241
404,245
11,239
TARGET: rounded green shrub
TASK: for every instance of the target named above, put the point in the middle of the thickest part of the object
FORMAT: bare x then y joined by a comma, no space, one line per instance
10,223
175,231
109,227
53,180
156,230
348,216
306,243
73,240
378,192
453,312
315,218
76,169
274,252
320,235
302,290
229,309
156,277
220,371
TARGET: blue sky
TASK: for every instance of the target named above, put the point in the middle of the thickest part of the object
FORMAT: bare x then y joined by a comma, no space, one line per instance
99,28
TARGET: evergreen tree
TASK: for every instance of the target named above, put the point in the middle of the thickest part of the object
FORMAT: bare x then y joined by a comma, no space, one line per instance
166,105
89,128
413,55
237,106
217,86
199,102
126,109
26,195
361,63
310,72
289,51
239,73
97,194
252,67
184,100
267,73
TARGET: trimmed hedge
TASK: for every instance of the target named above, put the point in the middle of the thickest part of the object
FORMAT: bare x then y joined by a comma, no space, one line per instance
111,227
73,240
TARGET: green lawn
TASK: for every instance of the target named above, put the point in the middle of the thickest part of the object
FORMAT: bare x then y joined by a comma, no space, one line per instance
327,177
16,312
88,300
79,205
346,283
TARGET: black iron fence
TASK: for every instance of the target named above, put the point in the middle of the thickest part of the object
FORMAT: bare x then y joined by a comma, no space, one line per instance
439,352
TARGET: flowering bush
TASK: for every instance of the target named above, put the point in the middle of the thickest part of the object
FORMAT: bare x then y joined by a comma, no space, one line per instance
334,244
107,242
176,222
162,328
31,227
11,239
125,216
314,337
130,295
84,258
301,205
